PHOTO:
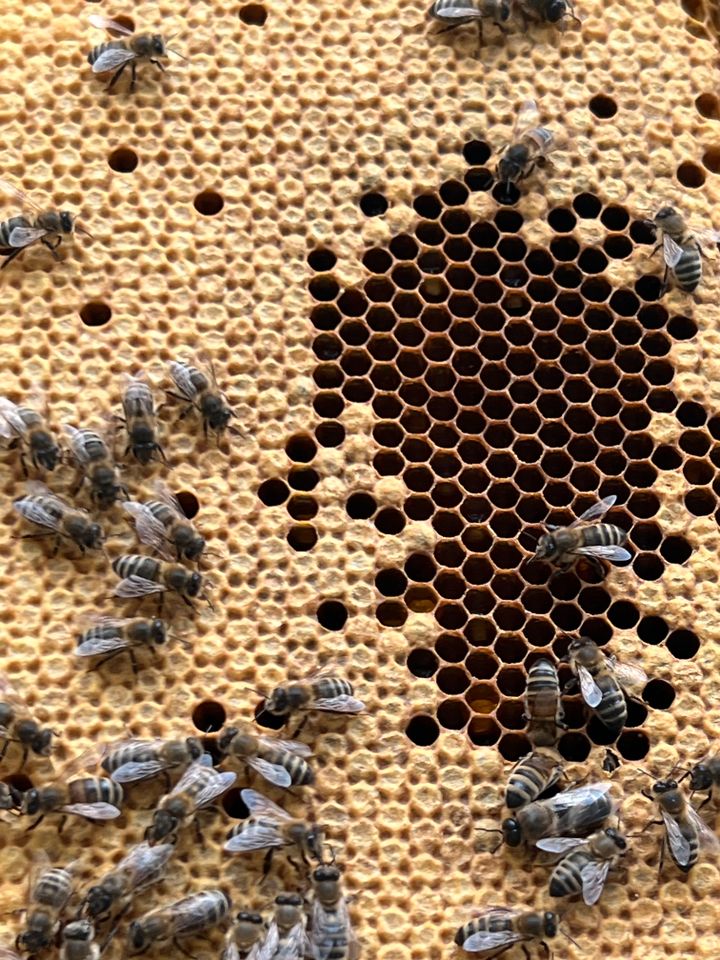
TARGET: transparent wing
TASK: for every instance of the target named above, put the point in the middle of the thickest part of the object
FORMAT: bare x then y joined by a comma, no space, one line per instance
36,513
180,374
596,511
165,494
102,23
148,527
270,771
269,946
7,954
137,587
341,704
707,837
216,785
91,648
455,10
24,236
579,795
231,952
559,845
706,237
111,59
197,769
630,675
591,692
291,746
294,946
325,926
679,847
485,940
593,876
76,444
8,694
527,118
11,423
144,862
255,836
39,866
92,811
9,190
260,806
672,251
129,772
618,554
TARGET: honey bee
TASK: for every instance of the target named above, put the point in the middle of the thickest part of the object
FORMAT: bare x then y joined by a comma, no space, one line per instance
532,775
705,778
286,938
685,832
44,508
141,868
611,762
134,760
94,798
682,249
529,148
200,390
184,918
280,762
543,707
28,430
78,941
17,725
562,545
332,935
50,890
198,787
46,226
270,827
109,637
458,13
495,930
548,11
96,464
117,54
322,693
601,682
243,939
161,524
585,864
140,419
141,576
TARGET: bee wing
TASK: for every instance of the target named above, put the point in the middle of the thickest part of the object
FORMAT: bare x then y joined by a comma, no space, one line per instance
129,772
594,875
165,494
559,845
578,795
342,704
291,746
618,554
7,954
137,587
24,236
203,361
324,929
231,952
672,251
708,838
679,846
147,526
144,863
260,806
76,445
102,23
630,675
256,836
180,374
488,940
294,946
92,811
110,59
98,645
706,237
527,118
591,692
272,772
40,865
595,512
455,10
11,424
11,191
217,784
9,694
268,948
36,512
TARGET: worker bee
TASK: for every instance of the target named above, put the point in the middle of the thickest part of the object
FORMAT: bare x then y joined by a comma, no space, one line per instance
529,148
543,707
332,935
95,463
611,762
682,249
117,54
94,798
46,226
141,868
78,941
200,390
685,832
141,576
50,890
569,813
109,637
532,775
27,429
162,525
548,11
495,930
705,777
562,545
184,918
198,787
585,864
286,938
457,13
17,725
270,827
44,508
601,682
134,760
140,419
322,693
280,762
243,939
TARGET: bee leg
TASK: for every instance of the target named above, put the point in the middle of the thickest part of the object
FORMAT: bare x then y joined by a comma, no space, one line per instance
133,69
116,76
299,729
6,744
661,861
179,946
11,256
37,823
25,753
480,38
705,801
158,64
665,285
198,834
267,862
162,454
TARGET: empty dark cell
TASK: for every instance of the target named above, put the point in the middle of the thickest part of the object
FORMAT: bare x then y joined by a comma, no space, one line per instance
649,288
514,276
435,319
695,442
408,333
391,582
390,521
585,478
643,231
529,480
653,316
506,586
596,290
594,600
453,649
479,600
476,152
574,710
667,458
330,434
301,448
623,614
516,305
453,193
377,260
599,733
321,259
627,332
542,291
420,599
691,414
662,401
302,507
463,333
566,616
505,524
633,389
564,249
637,713
427,205
611,462
646,536
618,247
457,249
355,363
460,278
562,220
510,617
422,663
499,436
373,204
659,694
682,328
592,260
598,629
382,348
538,632
479,632
332,615
655,345
601,346
707,104
484,235
700,503
324,288
327,346
572,333
564,585
360,506
478,179
303,478
501,494
451,586
547,347
570,304
510,713
273,492
406,276
640,475
422,730
449,554
328,376
445,436
625,303
452,680
474,480
419,479
391,613
648,566
302,537
353,304
556,464
630,359
388,464
510,649
416,450
691,175
525,420
633,745
419,508
583,449
527,451
603,106
512,746
676,549
508,221
483,731
208,716
407,305
388,434
456,222
404,247
453,714
432,262
520,365
430,233
380,319
537,600
325,317
580,420
519,333
574,747
683,644
587,206
384,376
357,390
614,217
553,434
354,332
643,505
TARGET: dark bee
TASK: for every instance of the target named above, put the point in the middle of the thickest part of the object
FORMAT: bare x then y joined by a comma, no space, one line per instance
44,508
200,390
530,147
457,13
496,929
533,775
117,54
140,419
543,707
322,693
47,227
585,864
27,429
133,760
602,680
548,11
184,918
705,778
94,798
198,787
108,637
78,941
162,525
685,832
141,576
17,725
682,249
569,813
50,891
562,545
140,869
332,935
280,762
96,465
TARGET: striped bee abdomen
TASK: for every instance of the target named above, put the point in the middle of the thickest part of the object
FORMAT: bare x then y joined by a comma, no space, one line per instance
605,535
688,269
102,47
612,709
135,565
566,878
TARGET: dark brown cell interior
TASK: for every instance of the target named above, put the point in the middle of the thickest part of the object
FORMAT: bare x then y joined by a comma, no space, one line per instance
512,386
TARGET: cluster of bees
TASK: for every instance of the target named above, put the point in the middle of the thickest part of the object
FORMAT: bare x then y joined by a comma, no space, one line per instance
319,928
559,824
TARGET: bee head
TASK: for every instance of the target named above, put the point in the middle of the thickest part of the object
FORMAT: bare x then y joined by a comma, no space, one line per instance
278,702
194,747
326,873
42,743
137,940
98,901
31,801
550,923
32,941
545,547
512,834
701,777
93,536
164,823
505,11
157,631
226,738
617,838
67,221
664,786
157,45
194,584
288,900
194,548
47,452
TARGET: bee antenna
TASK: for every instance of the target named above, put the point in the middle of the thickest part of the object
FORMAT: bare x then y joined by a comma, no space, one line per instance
80,229
170,50
332,853
646,772
568,937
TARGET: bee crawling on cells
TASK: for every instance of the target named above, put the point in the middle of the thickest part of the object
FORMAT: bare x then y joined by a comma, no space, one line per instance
136,48
42,226
548,11
529,147
458,13
583,537
682,248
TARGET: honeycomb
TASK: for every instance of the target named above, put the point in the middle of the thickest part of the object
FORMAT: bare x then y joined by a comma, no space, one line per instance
425,375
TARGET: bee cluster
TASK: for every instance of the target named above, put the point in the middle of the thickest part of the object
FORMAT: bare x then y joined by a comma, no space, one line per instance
318,927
